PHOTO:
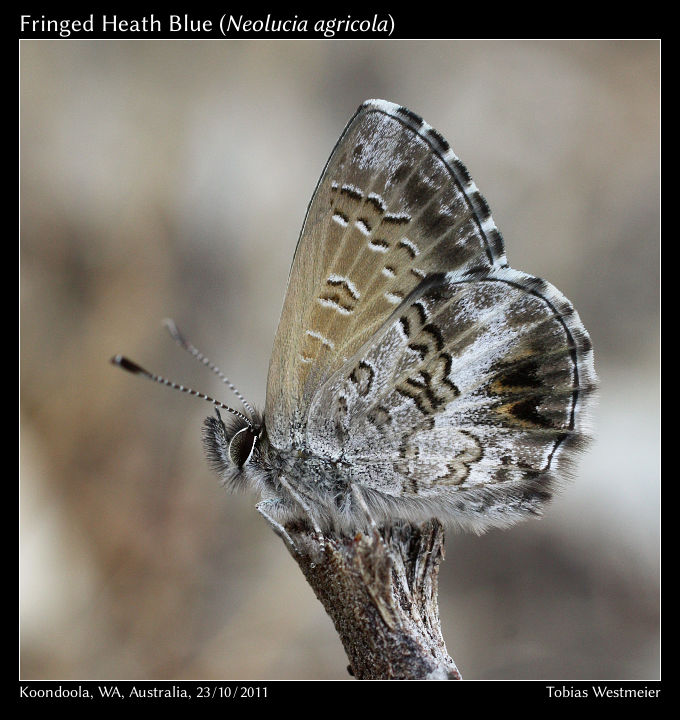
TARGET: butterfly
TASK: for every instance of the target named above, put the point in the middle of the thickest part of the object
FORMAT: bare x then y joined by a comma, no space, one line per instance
414,373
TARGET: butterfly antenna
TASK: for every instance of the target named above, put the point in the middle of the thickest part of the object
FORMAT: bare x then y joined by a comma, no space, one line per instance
184,343
135,369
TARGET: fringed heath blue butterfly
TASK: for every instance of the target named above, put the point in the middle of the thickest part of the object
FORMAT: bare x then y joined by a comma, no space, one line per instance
414,374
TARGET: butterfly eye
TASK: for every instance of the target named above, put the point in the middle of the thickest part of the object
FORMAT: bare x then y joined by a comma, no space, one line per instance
241,446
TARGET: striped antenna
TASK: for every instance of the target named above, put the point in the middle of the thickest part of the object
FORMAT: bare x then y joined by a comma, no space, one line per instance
135,369
184,343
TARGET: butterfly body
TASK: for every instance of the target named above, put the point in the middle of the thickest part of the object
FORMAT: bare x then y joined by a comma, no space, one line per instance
414,373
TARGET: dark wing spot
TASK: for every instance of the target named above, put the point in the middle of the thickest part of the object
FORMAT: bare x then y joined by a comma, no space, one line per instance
362,376
408,249
417,191
524,375
376,202
405,325
527,411
335,300
461,171
351,192
496,244
435,221
420,309
422,350
477,270
415,396
401,173
436,334
396,218
438,140
416,119
481,206
341,282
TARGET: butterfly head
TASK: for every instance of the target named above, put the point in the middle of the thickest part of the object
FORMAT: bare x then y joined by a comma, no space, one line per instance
234,448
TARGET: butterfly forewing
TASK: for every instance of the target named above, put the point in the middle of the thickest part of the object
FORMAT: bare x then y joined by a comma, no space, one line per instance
393,205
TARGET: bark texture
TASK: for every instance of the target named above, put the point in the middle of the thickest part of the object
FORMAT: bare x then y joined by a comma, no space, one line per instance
380,590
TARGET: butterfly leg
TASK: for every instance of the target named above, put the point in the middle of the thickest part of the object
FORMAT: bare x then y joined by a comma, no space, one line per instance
301,502
361,502
278,528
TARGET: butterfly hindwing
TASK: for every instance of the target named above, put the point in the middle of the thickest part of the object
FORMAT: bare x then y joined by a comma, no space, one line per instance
462,406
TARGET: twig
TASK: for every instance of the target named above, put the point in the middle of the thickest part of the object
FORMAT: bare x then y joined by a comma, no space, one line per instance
380,590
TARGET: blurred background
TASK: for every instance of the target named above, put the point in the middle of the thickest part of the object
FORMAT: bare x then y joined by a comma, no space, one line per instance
144,170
